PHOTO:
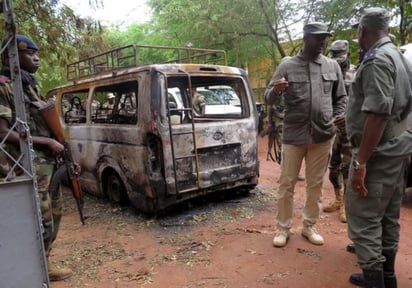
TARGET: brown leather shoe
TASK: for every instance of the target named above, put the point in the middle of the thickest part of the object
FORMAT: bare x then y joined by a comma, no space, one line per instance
342,214
58,274
336,204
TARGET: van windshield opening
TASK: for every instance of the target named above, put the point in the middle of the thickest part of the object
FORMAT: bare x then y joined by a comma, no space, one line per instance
208,97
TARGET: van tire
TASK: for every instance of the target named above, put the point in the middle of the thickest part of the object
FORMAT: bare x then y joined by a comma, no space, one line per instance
115,190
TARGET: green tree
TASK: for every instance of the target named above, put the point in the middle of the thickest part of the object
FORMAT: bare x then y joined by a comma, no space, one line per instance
61,35
245,28
249,29
402,10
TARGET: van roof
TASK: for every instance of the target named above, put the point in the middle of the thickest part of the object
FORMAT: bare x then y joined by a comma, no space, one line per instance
175,69
139,55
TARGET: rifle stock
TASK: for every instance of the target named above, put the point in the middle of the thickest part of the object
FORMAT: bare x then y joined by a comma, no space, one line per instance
50,116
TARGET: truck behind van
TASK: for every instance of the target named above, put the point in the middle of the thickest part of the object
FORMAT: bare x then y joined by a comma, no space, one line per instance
132,128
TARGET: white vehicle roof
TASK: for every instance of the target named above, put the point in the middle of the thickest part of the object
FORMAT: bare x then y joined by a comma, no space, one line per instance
214,105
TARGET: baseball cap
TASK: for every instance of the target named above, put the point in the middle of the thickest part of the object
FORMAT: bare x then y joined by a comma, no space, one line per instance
374,18
110,96
316,28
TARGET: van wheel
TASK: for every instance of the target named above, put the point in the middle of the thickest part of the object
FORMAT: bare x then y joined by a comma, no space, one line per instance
115,190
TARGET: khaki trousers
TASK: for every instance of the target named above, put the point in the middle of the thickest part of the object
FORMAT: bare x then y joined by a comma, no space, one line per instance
316,162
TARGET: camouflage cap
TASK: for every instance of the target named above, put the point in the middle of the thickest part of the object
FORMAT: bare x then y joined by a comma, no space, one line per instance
339,45
374,18
316,28
339,50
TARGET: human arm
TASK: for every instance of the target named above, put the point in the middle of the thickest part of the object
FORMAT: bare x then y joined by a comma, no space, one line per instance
38,141
202,108
275,89
55,146
276,86
372,133
378,95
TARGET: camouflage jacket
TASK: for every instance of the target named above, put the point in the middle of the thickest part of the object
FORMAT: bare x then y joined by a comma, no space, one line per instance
34,120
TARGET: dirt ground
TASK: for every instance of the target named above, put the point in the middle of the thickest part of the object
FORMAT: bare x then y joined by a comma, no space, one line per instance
223,241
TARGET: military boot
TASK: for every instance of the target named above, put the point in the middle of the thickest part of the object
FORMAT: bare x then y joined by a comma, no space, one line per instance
57,273
342,213
335,205
351,248
368,279
389,276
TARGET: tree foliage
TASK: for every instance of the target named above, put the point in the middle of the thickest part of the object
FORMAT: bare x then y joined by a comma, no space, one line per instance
61,36
246,29
251,28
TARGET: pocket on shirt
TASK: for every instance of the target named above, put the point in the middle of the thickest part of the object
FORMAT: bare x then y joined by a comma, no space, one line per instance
328,80
298,85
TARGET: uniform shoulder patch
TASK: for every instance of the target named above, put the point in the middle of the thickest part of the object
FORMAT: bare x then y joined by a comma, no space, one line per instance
369,55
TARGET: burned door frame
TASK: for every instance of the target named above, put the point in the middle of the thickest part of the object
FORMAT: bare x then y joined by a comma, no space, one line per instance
188,130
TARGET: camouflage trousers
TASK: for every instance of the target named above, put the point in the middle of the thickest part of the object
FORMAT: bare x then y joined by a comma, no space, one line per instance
340,161
50,204
4,165
275,138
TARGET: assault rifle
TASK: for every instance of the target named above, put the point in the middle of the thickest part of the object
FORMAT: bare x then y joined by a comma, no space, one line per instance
65,163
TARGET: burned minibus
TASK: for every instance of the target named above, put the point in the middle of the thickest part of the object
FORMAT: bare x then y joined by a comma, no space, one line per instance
132,128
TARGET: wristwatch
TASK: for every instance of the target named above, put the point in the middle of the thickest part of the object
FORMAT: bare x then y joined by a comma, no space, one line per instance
357,165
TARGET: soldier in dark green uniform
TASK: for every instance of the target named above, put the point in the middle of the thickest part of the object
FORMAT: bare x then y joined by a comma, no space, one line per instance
376,125
44,145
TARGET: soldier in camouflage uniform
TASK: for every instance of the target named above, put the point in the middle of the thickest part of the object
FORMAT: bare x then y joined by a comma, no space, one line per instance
4,164
44,145
341,151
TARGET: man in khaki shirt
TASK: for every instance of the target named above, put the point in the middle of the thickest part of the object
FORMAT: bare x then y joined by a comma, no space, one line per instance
315,96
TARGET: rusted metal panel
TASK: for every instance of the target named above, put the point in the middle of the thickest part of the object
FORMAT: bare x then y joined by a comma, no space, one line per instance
22,257
227,151
158,163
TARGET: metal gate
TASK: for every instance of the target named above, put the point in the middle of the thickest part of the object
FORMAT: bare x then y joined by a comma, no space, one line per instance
22,255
